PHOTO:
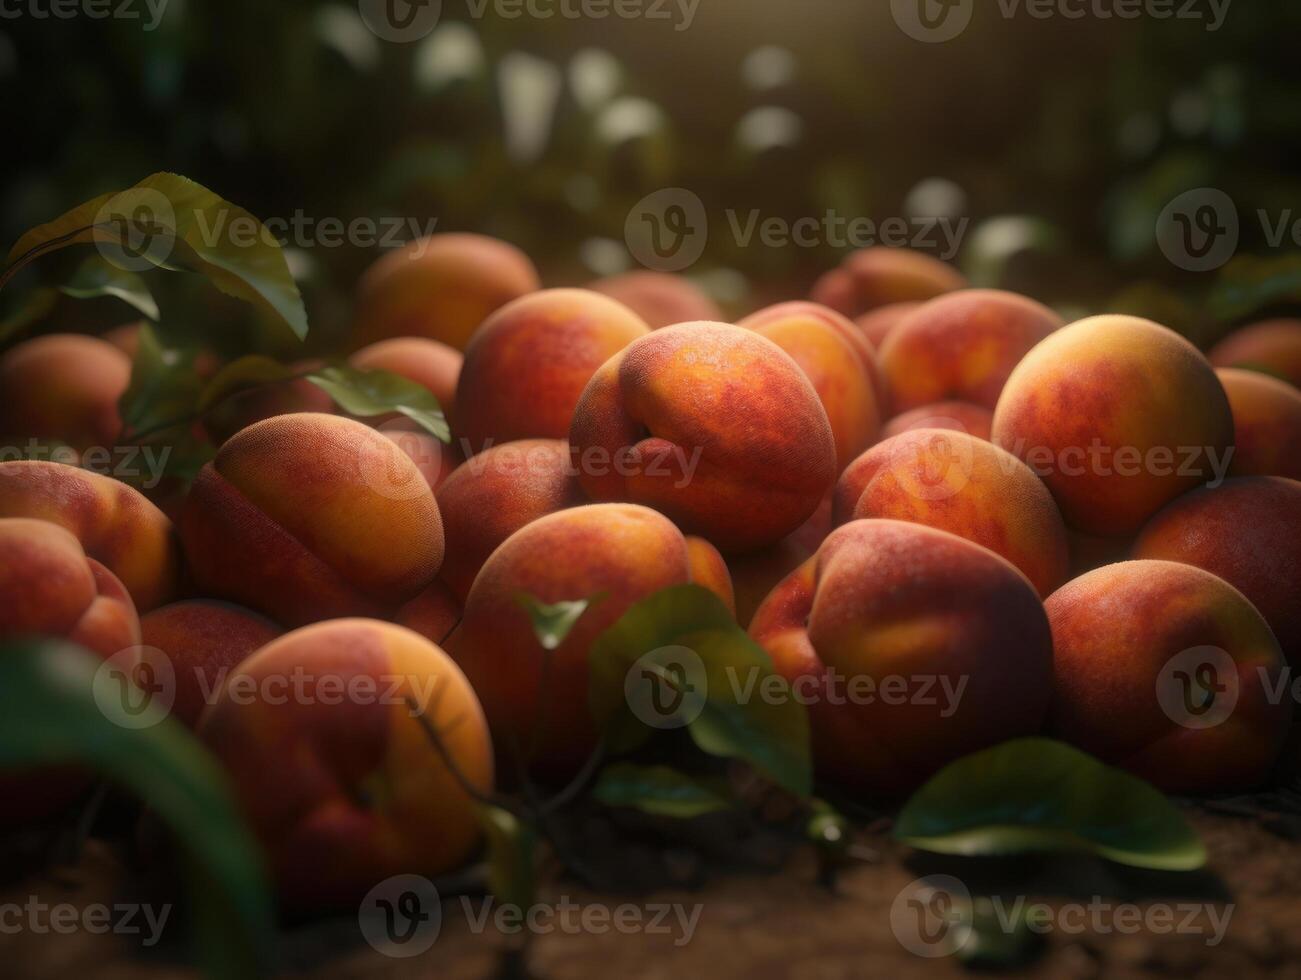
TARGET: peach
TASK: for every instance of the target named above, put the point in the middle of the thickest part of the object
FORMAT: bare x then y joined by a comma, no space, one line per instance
962,346
715,426
243,408
958,416
526,367
1248,532
322,733
203,640
428,363
1118,416
966,486
49,587
433,614
877,324
1272,347
115,524
308,517
494,495
838,361
660,298
880,276
1166,670
755,575
1266,424
65,388
912,647
441,287
435,459
620,552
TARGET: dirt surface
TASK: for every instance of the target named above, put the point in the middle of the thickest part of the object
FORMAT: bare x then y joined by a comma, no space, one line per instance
779,924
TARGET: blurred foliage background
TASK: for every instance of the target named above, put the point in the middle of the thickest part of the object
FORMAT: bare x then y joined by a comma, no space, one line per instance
1060,139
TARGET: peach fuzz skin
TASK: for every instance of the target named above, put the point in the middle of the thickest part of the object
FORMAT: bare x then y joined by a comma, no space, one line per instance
622,552
441,287
956,416
961,347
114,523
887,599
1115,631
63,387
1266,424
527,366
838,361
1248,532
310,517
660,298
966,486
203,640
876,277
1271,346
321,735
720,398
1141,396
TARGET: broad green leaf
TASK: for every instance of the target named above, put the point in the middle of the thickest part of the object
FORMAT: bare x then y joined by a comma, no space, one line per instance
98,277
170,222
58,705
1036,794
371,393
553,623
245,372
512,873
164,388
38,304
658,790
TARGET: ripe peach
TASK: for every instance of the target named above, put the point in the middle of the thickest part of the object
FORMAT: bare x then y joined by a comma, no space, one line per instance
441,287
494,495
755,575
1266,424
203,640
958,416
912,648
433,614
838,361
620,552
257,404
1118,416
526,367
962,346
435,459
1164,669
321,734
713,425
660,298
1248,532
877,324
115,524
1272,347
428,363
966,486
49,587
63,387
309,517
875,277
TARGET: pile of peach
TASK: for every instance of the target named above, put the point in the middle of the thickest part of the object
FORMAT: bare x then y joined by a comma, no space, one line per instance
903,482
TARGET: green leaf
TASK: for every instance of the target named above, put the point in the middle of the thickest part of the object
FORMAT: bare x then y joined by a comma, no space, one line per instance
170,222
38,305
58,705
1249,284
553,623
658,790
164,388
512,873
98,277
742,708
371,393
1034,795
245,372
